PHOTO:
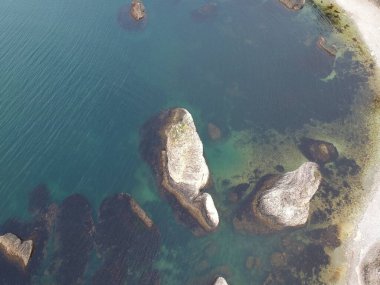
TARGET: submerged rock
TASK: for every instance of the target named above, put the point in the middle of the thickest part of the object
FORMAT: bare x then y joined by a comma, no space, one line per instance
171,145
137,10
220,281
318,151
213,131
206,11
74,233
39,199
325,46
127,241
13,247
279,201
370,266
293,4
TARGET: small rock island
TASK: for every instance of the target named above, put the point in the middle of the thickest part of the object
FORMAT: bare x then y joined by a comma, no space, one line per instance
13,247
137,10
171,145
279,201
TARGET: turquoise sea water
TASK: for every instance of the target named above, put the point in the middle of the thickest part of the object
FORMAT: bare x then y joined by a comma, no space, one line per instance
75,88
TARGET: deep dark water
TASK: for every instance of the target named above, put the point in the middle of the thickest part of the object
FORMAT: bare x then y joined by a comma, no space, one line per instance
75,89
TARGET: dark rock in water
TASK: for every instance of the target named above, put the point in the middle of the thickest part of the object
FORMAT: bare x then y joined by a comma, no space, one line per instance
128,242
318,151
171,145
16,249
74,233
327,237
279,201
293,4
132,16
346,166
279,168
370,266
150,278
237,192
206,11
39,199
325,46
137,10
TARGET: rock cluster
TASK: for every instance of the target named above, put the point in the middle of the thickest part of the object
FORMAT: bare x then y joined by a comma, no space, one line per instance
127,241
171,145
13,247
279,201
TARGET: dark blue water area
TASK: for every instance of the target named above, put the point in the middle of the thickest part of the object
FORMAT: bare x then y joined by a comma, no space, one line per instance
75,88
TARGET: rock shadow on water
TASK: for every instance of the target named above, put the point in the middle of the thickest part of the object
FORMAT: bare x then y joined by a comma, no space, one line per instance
74,239
127,241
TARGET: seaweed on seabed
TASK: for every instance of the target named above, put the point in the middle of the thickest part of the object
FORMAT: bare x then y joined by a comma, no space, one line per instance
74,233
127,241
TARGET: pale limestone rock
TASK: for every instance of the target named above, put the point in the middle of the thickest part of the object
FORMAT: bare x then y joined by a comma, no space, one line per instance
220,281
280,201
172,146
13,247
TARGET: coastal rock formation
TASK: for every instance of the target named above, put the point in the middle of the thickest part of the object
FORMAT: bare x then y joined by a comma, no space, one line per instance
74,238
137,10
370,266
171,145
128,241
293,4
220,281
279,201
13,247
318,151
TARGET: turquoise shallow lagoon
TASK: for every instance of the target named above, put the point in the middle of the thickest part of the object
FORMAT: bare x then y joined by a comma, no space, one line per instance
76,87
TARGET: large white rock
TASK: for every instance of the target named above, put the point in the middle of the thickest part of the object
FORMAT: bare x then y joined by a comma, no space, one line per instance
184,150
220,281
280,201
172,146
287,202
13,247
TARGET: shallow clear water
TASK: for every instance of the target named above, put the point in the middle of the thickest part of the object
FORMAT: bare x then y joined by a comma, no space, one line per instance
75,88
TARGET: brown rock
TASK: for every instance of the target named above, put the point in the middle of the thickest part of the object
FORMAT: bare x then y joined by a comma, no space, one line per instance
278,259
293,4
318,151
213,131
137,10
325,46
